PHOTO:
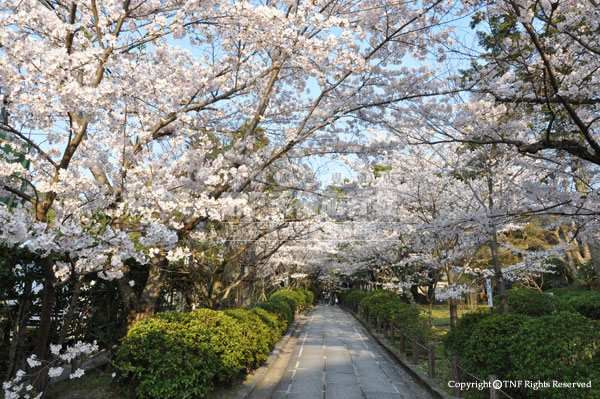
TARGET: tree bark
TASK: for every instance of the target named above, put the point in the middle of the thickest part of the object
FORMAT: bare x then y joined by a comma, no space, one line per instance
18,341
595,255
71,312
140,307
498,272
494,239
452,303
453,312
48,298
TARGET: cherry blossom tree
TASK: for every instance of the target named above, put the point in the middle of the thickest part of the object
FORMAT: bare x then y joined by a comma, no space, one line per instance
143,121
531,83
440,206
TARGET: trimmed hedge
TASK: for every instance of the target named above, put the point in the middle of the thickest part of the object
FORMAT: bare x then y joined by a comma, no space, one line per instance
173,355
307,296
585,302
455,339
487,348
161,358
374,300
352,298
415,324
282,308
562,346
531,302
388,306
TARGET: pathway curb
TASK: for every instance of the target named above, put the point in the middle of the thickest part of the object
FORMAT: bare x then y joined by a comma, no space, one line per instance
248,386
419,377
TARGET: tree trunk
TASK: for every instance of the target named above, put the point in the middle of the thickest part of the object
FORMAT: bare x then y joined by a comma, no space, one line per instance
494,240
18,342
48,297
453,312
71,312
139,308
595,255
452,303
498,272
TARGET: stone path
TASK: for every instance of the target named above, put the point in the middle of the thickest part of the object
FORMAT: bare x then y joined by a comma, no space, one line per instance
333,358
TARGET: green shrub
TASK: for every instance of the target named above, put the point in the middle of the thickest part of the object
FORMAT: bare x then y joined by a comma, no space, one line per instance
558,292
225,338
279,308
530,302
292,298
310,296
389,310
488,348
162,357
375,299
585,302
174,355
562,346
414,324
270,320
352,298
455,340
307,297
259,336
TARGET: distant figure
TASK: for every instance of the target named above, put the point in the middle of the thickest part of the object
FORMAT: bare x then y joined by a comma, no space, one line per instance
332,299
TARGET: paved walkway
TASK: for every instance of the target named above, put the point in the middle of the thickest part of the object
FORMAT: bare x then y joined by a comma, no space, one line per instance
333,358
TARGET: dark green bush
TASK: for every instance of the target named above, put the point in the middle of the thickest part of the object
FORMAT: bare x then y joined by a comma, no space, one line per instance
352,298
585,302
562,346
375,299
455,340
281,307
558,292
488,348
388,310
530,302
307,297
173,355
414,324
162,357
388,306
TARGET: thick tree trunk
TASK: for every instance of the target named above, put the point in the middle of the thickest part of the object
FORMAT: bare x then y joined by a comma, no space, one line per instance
576,253
140,307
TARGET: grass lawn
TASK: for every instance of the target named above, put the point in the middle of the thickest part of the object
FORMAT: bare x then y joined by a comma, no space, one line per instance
440,314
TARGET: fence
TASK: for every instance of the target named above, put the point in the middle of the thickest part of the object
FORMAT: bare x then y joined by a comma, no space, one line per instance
409,348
